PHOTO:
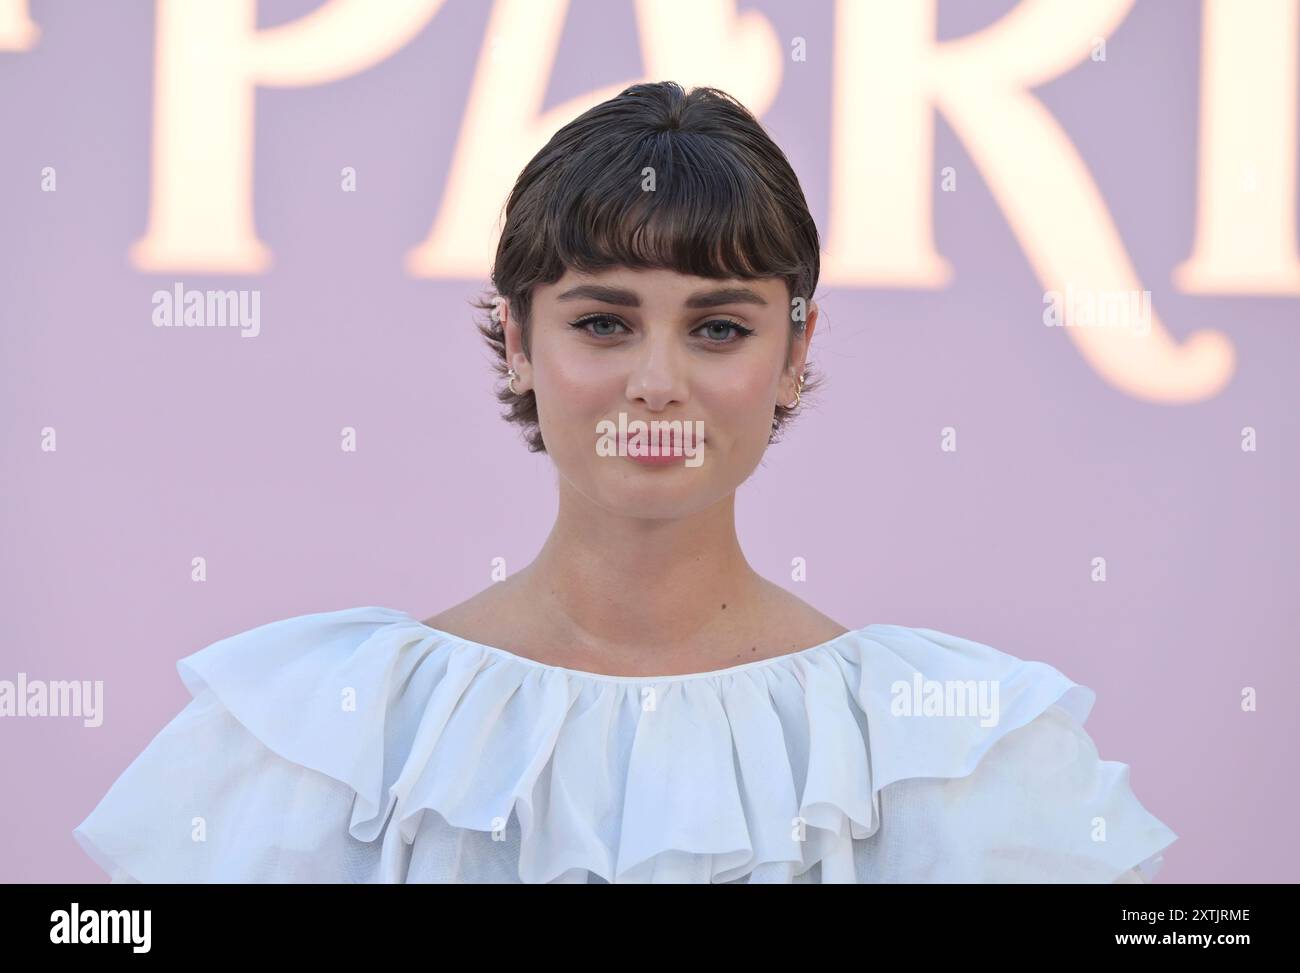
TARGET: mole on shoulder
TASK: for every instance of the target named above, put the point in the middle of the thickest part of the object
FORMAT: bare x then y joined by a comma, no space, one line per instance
724,606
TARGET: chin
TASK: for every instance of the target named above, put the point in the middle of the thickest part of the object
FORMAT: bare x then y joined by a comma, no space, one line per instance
655,494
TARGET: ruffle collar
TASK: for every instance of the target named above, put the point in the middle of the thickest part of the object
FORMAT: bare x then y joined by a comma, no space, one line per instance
770,766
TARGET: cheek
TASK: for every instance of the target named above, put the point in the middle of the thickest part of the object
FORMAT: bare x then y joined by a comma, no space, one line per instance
741,392
574,383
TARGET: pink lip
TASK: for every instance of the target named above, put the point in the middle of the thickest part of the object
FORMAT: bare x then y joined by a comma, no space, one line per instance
668,460
671,451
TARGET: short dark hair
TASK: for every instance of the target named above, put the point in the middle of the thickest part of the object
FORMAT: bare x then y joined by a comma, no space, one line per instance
726,203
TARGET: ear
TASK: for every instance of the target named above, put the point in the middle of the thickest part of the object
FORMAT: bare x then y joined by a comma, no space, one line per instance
799,354
813,310
515,356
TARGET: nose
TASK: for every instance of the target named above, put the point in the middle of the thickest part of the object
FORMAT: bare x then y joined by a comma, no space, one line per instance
658,376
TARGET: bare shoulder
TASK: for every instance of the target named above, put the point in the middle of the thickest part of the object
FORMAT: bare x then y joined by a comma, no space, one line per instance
489,616
795,623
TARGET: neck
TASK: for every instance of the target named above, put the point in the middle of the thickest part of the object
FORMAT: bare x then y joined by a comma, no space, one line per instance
623,584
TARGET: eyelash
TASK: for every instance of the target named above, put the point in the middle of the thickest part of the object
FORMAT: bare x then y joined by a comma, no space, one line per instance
739,330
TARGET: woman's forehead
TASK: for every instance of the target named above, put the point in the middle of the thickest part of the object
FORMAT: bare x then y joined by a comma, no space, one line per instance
632,285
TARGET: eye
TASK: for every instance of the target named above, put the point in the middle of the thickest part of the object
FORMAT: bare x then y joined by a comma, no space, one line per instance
740,331
597,326
597,319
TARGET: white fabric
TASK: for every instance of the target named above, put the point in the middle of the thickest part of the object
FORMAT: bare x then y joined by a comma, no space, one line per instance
363,746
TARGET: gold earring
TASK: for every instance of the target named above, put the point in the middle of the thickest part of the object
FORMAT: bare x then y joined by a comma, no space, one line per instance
797,391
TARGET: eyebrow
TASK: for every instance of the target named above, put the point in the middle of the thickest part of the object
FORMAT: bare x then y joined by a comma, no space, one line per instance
626,298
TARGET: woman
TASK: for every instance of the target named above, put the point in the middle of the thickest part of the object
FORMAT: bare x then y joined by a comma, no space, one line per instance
637,704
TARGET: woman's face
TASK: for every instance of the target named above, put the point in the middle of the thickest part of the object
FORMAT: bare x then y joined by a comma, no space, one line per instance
658,345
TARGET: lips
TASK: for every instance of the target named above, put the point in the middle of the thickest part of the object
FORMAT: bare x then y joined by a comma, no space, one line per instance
668,439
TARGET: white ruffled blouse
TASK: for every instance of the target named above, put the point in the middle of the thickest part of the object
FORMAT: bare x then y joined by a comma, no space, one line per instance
364,746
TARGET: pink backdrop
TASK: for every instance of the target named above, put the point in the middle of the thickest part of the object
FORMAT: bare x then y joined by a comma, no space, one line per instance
177,443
